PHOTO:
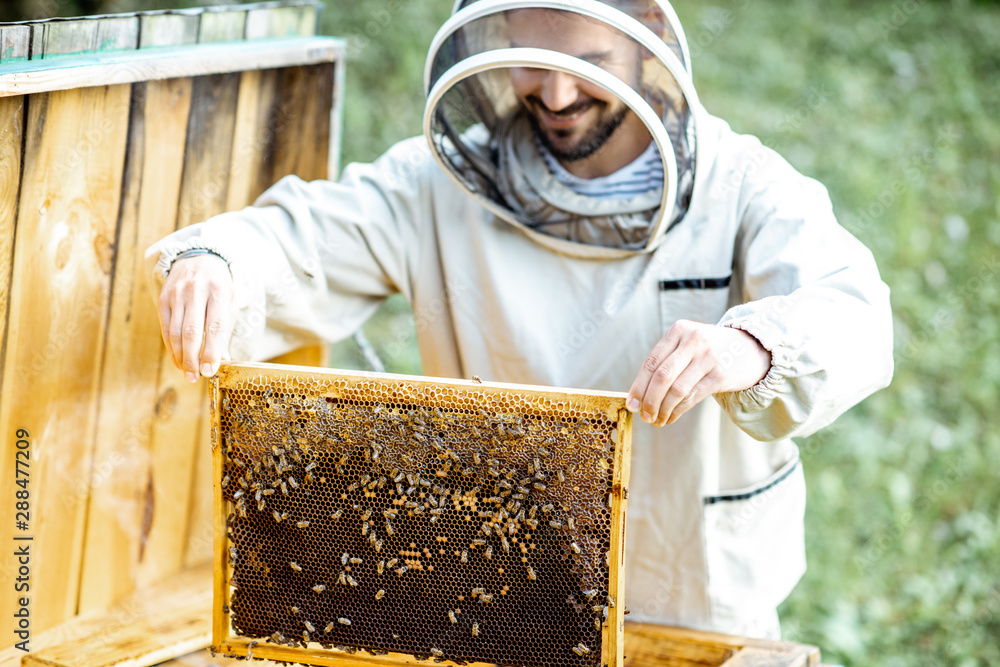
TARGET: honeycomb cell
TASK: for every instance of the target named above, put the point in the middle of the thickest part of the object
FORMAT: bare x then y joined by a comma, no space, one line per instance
440,522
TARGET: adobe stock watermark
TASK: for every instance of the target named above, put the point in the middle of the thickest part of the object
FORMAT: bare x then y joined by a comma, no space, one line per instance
944,318
879,546
379,20
899,16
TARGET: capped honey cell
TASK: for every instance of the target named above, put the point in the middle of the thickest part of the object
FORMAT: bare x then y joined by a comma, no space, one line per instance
452,521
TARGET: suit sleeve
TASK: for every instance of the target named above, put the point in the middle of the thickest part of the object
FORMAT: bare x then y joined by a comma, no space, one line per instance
813,297
312,261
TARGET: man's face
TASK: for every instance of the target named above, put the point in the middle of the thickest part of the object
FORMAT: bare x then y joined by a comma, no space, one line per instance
573,117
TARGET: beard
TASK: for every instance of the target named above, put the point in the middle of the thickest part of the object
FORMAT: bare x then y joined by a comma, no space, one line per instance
593,138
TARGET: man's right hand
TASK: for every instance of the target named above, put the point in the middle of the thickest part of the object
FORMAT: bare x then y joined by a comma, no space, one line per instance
197,314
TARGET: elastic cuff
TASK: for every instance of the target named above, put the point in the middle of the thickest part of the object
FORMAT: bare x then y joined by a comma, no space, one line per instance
761,394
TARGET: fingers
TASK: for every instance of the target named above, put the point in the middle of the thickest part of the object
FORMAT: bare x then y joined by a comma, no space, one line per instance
197,315
218,330
652,365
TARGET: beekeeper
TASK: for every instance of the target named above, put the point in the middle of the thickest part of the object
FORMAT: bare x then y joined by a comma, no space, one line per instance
574,217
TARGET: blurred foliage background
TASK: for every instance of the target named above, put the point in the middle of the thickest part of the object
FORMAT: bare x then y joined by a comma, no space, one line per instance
895,107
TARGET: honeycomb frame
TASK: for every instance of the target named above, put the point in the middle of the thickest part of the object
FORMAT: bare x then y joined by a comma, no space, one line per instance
463,407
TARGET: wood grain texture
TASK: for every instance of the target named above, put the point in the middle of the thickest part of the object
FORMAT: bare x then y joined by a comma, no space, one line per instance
180,430
73,156
15,43
222,26
291,21
120,503
613,648
67,72
11,136
666,646
144,629
168,30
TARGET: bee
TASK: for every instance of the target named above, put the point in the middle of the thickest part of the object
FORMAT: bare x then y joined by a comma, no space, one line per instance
532,511
575,547
364,529
570,523
452,455
295,566
590,594
367,515
475,378
561,475
351,581
596,608
319,588
452,617
485,598
388,529
239,492
581,649
232,553
611,498
380,594
342,579
353,486
305,636
437,652
547,508
225,481
284,488
489,552
597,624
438,510
556,524
311,466
539,486
532,523
392,563
277,516
465,556
309,626
611,602
402,570
344,558
479,542
475,629
531,574
476,458
506,545
302,524
344,621
398,478
329,628
293,610
337,514
356,561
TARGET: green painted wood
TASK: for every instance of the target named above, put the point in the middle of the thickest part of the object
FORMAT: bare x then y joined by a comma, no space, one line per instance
117,34
15,43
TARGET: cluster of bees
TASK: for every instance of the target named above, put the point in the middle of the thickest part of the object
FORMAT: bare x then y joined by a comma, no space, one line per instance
499,478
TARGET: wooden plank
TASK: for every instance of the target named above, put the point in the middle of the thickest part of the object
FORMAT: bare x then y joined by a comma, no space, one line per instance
181,431
147,628
15,43
648,644
164,63
60,38
613,646
168,29
122,505
11,136
291,21
760,657
222,26
117,34
75,146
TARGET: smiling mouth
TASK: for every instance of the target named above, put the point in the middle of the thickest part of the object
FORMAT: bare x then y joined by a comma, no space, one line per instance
563,119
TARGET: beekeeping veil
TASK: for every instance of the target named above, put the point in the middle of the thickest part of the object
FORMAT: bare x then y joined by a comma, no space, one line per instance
488,142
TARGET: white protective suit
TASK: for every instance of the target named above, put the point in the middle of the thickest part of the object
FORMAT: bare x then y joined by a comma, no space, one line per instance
716,503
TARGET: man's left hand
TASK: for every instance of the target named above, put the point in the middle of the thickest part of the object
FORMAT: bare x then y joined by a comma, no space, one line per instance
690,363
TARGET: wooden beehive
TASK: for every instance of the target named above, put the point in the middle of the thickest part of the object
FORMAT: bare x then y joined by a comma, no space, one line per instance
115,131
417,517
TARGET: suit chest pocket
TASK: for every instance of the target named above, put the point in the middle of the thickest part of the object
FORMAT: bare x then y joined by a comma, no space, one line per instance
698,299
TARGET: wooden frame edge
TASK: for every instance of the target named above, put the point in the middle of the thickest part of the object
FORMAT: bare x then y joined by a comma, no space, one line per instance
165,62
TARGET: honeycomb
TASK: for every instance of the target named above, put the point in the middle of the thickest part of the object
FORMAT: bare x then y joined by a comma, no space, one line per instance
444,521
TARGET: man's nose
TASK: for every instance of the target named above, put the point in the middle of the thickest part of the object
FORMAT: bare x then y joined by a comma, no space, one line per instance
559,90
